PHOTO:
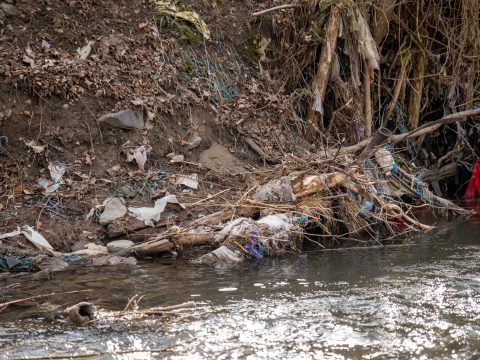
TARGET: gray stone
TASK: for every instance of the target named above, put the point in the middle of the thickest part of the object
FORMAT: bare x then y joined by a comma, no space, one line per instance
118,245
113,260
126,119
114,209
194,141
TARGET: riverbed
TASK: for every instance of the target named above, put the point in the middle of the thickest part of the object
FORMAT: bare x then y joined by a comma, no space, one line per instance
420,301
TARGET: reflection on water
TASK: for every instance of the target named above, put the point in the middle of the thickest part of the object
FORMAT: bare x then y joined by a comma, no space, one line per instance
421,301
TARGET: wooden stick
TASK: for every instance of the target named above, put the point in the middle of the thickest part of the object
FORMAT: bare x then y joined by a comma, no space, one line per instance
434,125
5,304
422,130
276,8
368,99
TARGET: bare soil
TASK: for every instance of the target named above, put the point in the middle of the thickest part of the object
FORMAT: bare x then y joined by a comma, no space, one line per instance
55,104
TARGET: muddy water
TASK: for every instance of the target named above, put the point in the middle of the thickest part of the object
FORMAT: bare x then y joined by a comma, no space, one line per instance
421,302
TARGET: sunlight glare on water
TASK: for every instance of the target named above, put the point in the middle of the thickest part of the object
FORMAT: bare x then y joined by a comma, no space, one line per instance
416,302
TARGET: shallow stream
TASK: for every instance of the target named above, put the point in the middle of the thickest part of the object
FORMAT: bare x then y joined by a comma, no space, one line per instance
416,302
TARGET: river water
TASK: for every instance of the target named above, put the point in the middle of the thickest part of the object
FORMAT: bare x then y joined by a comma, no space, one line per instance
416,302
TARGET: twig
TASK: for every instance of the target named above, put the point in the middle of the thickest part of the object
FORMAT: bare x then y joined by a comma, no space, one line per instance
95,354
5,304
275,8
208,198
434,125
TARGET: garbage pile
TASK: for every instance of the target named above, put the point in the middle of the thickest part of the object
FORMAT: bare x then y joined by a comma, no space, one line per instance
304,118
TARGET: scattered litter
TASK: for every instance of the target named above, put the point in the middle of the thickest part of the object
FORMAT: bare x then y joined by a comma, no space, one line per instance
37,149
276,222
165,7
126,119
81,313
16,263
188,181
114,209
226,289
10,234
222,254
473,189
147,214
36,239
92,211
140,156
46,44
57,170
85,51
276,191
367,45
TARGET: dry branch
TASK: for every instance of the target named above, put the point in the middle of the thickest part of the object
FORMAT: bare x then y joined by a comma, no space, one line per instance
276,8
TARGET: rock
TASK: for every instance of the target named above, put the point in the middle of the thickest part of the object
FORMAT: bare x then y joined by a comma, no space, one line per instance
8,9
219,159
177,159
114,209
127,191
193,141
126,119
113,260
118,245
